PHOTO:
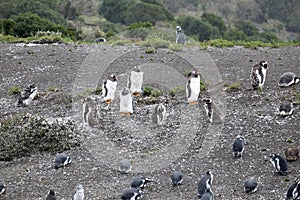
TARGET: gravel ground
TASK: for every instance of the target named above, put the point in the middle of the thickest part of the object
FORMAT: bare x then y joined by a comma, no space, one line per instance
187,142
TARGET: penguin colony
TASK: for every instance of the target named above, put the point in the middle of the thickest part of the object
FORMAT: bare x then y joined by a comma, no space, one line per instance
258,78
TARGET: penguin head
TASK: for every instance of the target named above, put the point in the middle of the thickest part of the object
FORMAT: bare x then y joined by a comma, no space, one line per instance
51,192
193,74
296,79
125,91
207,100
178,28
137,68
264,64
113,77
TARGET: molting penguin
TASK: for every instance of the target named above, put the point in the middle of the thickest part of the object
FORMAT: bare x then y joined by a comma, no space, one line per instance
140,182
258,75
51,195
62,160
88,113
208,195
124,166
288,79
180,36
27,95
135,81
2,187
176,178
208,108
279,163
159,114
250,185
286,108
193,88
109,88
294,190
205,183
126,107
292,153
79,193
238,146
131,194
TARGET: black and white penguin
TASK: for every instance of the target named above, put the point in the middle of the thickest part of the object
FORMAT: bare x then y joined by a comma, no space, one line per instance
180,36
51,195
258,75
78,193
100,39
205,183
27,95
2,187
294,190
124,166
89,112
140,182
279,163
131,194
208,195
159,114
208,108
126,106
176,178
62,160
286,108
193,88
250,185
238,146
109,88
287,79
135,81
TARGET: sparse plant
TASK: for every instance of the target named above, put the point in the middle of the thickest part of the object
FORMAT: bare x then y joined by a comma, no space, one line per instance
203,86
147,91
14,90
175,91
156,93
234,86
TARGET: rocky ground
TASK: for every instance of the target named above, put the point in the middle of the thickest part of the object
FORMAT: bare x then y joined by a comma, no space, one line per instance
65,73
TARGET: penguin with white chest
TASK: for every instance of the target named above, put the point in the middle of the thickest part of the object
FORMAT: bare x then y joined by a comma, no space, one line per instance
193,88
109,88
205,183
258,75
208,108
159,114
88,111
294,190
126,105
287,79
279,163
27,95
135,81
238,146
180,36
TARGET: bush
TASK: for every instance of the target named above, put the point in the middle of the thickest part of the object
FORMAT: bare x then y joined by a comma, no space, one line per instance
215,21
24,135
247,27
234,34
137,25
8,26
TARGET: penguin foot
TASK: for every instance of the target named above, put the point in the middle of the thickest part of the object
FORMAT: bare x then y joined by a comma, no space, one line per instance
108,101
136,94
192,103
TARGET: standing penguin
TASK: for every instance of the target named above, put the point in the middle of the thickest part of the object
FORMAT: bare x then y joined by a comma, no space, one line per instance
27,95
258,75
126,107
51,195
279,163
294,190
180,36
288,79
205,183
135,81
109,88
88,113
286,108
238,146
159,114
208,108
193,88
79,193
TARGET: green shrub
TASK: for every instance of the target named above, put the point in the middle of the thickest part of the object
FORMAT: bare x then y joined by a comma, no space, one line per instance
156,93
147,91
234,86
137,25
14,90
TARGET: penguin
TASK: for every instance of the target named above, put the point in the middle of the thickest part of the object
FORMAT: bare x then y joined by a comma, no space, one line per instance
180,36
205,183
135,81
88,114
193,88
250,185
159,114
100,39
124,166
131,194
126,104
109,88
79,193
287,79
286,108
2,187
294,190
27,95
208,195
51,195
238,146
258,75
62,160
292,153
279,163
208,108
176,178
140,182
